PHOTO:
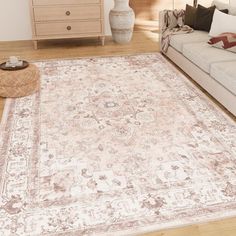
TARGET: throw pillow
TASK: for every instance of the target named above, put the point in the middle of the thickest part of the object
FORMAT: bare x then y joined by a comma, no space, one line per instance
200,18
190,15
222,23
204,18
219,5
225,41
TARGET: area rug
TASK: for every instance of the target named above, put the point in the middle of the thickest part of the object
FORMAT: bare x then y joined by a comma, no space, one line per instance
114,146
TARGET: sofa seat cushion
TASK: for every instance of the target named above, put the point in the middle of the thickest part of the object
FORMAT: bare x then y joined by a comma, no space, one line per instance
177,41
225,74
203,55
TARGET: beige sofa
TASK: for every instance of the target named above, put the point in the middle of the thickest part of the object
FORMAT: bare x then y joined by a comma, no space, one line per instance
213,69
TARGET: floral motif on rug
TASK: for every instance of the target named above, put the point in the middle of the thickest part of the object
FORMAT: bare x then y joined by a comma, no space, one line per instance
114,146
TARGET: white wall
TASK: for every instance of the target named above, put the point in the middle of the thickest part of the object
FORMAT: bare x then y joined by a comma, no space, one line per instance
15,19
233,3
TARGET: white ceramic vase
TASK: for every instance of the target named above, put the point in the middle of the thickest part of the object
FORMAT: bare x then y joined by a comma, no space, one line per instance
122,21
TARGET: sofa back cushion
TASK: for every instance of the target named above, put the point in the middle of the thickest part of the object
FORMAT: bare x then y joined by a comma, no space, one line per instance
219,5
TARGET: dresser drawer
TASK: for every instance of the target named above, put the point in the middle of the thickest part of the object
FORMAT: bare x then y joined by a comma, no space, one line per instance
63,2
68,28
67,13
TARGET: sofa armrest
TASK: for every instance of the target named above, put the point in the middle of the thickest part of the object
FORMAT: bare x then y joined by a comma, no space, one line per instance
162,23
169,19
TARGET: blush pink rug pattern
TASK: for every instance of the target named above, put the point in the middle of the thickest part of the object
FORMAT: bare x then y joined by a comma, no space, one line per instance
114,146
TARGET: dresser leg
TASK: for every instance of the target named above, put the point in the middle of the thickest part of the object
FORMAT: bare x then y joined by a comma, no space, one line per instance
102,40
35,44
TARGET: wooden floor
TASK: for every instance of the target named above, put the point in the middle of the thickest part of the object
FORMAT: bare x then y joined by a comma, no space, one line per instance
143,42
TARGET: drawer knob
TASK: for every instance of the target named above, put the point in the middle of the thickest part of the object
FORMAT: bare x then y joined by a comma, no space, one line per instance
68,27
68,13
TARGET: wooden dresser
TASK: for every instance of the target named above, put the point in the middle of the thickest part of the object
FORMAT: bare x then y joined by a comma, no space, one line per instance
57,19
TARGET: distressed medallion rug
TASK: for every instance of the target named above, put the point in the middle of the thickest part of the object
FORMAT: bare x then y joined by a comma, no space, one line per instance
114,146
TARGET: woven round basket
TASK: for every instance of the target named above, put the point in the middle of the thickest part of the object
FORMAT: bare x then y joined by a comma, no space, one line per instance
19,83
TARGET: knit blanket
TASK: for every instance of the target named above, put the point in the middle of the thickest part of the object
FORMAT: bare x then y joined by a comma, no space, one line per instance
173,24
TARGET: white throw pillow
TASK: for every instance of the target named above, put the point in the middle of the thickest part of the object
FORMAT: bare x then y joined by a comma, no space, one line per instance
222,23
220,6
